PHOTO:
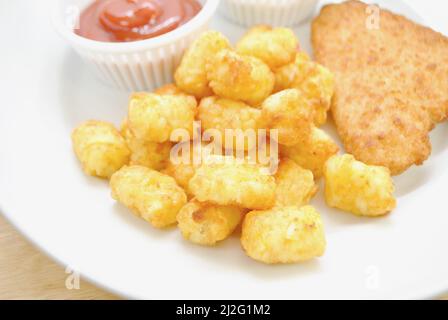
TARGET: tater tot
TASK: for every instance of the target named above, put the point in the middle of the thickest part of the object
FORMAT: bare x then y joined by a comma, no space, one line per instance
144,153
314,81
169,89
207,224
154,117
275,47
290,114
266,154
238,77
283,235
227,181
318,87
191,76
237,122
100,148
312,154
294,72
363,190
183,171
295,185
151,195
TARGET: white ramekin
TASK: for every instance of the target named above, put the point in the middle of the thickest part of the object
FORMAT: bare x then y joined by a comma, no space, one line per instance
132,66
278,13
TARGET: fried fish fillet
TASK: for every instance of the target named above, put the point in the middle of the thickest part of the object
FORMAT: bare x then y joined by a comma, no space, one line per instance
391,82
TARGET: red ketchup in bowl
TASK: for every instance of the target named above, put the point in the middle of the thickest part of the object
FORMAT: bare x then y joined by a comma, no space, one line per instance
133,20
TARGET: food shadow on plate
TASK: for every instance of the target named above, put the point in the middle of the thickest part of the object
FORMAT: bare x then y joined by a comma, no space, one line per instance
412,180
92,182
439,140
228,256
82,95
140,225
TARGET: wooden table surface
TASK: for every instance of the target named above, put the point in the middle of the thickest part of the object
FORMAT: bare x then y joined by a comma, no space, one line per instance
26,273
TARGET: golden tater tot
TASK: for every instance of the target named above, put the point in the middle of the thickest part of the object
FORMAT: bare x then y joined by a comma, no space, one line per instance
294,72
144,153
312,154
191,75
154,117
183,171
318,87
100,148
227,181
295,185
151,195
238,77
275,47
266,154
169,89
207,224
363,190
234,120
283,235
314,81
290,114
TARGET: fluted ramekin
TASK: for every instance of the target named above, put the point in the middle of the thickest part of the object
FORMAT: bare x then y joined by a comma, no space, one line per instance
276,13
132,66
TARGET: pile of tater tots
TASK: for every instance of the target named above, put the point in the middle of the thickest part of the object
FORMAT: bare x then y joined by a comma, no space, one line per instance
264,83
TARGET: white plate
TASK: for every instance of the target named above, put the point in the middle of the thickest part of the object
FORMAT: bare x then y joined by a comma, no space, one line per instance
47,91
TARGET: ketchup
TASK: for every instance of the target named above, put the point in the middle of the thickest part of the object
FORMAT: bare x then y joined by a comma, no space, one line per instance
132,20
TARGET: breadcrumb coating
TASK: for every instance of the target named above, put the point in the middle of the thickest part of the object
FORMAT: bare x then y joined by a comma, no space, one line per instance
391,83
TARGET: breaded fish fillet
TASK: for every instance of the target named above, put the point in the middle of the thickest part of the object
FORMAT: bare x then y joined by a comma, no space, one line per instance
391,82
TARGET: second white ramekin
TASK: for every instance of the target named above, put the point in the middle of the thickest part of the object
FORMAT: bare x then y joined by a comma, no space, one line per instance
277,13
132,66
